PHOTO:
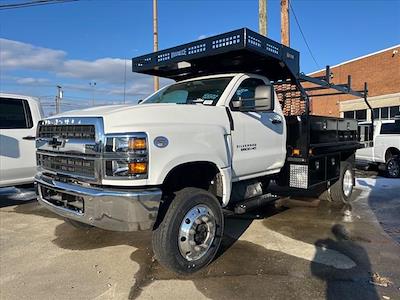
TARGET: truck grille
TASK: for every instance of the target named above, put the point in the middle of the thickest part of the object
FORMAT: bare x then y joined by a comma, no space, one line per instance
86,132
69,165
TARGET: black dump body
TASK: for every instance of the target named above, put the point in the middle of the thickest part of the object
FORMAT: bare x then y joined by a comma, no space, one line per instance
312,140
320,143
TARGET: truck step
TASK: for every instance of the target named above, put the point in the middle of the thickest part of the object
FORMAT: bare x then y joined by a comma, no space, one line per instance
253,203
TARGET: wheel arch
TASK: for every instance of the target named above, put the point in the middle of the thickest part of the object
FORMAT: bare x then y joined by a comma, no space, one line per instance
204,174
390,152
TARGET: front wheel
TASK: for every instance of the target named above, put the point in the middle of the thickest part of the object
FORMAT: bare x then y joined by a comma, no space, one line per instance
188,237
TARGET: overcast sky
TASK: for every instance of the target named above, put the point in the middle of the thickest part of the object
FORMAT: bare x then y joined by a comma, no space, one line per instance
78,43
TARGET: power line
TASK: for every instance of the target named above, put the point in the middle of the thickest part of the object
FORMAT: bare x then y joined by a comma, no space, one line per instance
33,3
302,34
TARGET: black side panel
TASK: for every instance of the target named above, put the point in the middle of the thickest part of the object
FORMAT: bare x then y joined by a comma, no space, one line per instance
327,130
297,135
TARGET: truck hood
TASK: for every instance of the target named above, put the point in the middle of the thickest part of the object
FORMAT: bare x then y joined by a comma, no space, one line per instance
129,118
98,111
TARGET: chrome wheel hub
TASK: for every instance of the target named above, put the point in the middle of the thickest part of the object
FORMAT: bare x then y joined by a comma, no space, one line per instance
347,183
196,233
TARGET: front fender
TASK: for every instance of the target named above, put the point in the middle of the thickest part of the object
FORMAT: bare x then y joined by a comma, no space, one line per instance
189,144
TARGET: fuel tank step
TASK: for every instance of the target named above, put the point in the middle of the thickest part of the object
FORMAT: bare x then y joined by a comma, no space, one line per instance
255,202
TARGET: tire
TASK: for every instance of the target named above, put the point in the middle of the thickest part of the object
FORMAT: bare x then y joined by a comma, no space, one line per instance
340,192
78,225
189,235
392,167
265,184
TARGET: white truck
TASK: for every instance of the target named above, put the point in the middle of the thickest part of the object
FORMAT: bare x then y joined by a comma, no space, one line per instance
209,143
386,147
19,116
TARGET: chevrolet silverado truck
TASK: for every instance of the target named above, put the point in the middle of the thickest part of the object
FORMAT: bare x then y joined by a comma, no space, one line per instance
386,147
236,117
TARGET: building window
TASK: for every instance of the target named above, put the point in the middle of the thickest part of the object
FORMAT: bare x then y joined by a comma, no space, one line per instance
380,113
394,111
361,115
384,113
349,114
376,113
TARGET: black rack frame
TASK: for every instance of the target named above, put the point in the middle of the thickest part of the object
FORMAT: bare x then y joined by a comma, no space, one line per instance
241,50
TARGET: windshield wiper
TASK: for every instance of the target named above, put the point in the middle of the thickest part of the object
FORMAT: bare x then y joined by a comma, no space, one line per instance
195,101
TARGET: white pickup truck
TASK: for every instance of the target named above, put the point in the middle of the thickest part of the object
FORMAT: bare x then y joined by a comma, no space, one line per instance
209,142
386,147
19,116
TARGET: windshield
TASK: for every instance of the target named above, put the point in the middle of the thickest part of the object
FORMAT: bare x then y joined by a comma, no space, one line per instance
205,91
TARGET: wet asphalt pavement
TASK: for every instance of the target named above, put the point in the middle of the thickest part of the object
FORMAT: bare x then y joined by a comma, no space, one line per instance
302,252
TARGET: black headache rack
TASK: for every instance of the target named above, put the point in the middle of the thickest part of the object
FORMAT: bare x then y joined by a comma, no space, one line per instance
241,51
314,143
244,51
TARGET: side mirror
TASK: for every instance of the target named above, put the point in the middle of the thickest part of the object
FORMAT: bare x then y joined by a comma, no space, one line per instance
264,95
237,104
140,101
263,99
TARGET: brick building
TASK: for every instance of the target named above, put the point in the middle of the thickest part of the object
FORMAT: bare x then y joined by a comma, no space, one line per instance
382,72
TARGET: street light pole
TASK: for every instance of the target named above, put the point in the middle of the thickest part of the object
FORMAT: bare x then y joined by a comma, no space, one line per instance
155,40
58,98
93,85
125,81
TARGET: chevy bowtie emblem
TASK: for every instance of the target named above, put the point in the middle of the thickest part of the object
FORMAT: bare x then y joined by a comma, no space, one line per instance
55,142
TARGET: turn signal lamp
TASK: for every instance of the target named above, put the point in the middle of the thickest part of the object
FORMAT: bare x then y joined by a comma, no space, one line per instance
137,167
296,152
137,144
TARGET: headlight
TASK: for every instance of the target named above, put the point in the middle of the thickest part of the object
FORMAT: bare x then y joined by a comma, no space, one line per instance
126,144
126,156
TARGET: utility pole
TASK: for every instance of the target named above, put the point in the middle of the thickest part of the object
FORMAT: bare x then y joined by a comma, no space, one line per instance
59,96
155,40
285,23
262,17
93,85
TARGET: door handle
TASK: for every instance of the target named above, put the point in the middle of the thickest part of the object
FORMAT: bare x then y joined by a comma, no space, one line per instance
29,138
276,121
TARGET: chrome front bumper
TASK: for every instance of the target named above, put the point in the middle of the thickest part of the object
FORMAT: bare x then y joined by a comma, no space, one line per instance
117,210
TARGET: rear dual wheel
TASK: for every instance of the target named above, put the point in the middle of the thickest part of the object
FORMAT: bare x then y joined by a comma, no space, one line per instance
340,192
188,237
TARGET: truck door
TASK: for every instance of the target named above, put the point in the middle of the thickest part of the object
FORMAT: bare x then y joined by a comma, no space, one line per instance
258,138
17,142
